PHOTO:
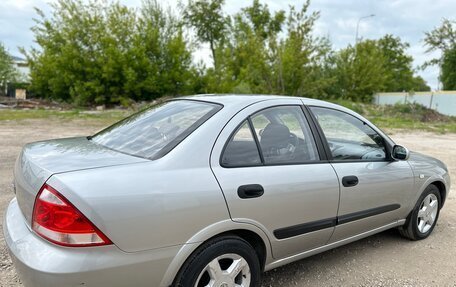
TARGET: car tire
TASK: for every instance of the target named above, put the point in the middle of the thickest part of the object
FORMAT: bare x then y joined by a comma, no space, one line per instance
423,218
225,260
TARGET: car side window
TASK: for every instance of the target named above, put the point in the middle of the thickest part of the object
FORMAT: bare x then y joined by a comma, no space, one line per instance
241,149
284,135
348,137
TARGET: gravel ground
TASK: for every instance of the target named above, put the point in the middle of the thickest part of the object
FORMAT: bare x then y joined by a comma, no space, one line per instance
384,259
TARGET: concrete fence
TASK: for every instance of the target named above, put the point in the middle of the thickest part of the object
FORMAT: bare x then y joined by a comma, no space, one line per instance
442,101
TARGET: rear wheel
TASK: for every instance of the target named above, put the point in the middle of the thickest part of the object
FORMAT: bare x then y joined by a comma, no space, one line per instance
228,261
424,216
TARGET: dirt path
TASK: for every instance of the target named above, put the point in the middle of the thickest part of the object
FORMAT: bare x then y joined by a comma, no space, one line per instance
381,260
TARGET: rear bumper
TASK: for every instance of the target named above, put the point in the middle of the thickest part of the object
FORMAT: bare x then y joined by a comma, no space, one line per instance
40,263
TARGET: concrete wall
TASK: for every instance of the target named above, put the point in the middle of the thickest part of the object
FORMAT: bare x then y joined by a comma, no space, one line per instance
442,101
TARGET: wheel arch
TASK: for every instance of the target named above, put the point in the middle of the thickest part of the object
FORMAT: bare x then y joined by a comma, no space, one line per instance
442,190
248,232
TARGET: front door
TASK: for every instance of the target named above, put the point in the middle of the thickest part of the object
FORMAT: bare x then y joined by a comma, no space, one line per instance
373,188
269,168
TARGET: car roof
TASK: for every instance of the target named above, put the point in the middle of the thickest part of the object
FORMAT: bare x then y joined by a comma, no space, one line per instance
245,100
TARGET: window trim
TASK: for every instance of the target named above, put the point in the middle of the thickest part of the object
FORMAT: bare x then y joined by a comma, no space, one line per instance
318,144
256,140
324,140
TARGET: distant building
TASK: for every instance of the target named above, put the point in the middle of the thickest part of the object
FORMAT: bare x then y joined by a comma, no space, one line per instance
22,67
16,89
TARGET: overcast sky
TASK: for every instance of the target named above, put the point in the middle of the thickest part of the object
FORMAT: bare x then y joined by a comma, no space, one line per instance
408,19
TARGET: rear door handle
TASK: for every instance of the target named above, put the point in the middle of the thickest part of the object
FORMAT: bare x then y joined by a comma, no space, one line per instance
250,191
350,180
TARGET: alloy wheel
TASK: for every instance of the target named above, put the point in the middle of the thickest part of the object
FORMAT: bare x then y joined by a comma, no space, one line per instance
227,270
427,213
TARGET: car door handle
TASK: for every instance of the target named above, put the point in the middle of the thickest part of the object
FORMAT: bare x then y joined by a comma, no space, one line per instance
350,180
250,191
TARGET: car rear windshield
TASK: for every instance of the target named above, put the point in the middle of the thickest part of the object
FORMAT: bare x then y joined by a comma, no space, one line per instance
155,131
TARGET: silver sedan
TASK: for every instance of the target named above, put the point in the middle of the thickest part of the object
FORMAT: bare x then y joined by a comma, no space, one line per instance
211,191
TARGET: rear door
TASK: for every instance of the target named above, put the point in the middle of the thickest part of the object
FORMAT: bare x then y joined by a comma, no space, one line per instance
374,188
272,174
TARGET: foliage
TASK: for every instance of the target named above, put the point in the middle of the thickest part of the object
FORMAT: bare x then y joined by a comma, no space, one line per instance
209,22
448,72
105,53
359,71
7,71
101,52
408,117
270,53
301,57
443,39
398,66
373,66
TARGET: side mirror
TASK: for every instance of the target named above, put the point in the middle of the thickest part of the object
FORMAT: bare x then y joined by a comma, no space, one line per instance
400,153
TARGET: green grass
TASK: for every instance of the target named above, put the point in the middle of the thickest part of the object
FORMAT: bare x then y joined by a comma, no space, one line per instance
405,117
102,116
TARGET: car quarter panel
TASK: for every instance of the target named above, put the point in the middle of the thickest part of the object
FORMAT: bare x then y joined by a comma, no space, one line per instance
207,233
156,203
145,206
294,194
42,264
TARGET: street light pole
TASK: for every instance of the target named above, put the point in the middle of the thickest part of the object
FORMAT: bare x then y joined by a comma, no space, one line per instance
357,26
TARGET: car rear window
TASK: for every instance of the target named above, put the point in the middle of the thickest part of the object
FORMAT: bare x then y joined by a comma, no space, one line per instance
155,131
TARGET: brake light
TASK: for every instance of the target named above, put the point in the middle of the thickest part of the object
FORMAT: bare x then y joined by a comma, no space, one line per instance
57,220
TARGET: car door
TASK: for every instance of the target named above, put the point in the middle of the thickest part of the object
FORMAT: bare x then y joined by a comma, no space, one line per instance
273,176
374,188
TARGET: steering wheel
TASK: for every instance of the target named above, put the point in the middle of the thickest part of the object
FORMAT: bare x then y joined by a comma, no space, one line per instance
294,140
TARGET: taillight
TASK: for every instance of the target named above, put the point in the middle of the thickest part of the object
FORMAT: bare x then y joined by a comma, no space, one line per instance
58,221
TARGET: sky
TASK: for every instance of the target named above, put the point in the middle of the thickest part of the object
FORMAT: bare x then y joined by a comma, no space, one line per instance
408,19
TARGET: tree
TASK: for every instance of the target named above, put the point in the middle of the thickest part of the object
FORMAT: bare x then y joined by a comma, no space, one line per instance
359,72
260,20
373,66
248,57
443,39
448,72
85,53
271,53
101,52
398,66
209,22
169,58
7,71
299,64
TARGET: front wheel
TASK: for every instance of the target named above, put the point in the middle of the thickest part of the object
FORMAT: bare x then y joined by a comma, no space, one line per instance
424,216
228,261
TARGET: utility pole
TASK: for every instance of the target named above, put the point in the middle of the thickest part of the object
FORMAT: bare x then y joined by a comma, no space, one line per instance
357,26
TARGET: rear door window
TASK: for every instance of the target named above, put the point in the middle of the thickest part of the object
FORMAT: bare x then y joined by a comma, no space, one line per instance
277,135
241,149
284,135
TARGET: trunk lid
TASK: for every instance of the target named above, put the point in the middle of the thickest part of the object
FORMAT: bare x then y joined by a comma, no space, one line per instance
39,160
